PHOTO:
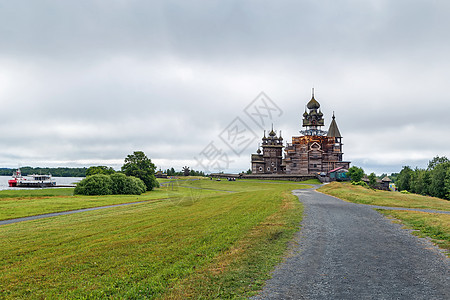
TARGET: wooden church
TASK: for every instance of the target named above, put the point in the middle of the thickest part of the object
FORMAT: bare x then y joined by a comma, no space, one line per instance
314,152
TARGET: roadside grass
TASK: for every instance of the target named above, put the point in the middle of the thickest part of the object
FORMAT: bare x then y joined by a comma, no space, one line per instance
208,246
435,226
358,194
244,184
242,270
162,180
24,204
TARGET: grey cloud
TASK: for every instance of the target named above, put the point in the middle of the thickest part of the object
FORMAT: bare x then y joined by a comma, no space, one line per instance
168,76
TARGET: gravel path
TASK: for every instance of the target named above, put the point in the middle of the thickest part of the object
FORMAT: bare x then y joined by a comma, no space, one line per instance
349,251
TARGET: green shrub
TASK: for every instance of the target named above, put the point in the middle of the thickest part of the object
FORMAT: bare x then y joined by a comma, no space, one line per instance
126,185
361,183
115,184
142,188
98,184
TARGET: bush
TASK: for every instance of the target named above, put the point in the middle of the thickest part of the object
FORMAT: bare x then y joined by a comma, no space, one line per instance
98,184
115,184
126,185
361,183
140,184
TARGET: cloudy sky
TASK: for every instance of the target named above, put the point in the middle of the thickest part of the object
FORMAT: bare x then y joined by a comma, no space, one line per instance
88,82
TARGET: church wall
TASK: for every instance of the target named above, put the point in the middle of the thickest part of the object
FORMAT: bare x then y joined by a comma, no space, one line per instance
312,155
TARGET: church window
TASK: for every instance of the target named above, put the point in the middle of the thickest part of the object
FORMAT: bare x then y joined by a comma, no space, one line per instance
260,169
268,168
273,164
274,168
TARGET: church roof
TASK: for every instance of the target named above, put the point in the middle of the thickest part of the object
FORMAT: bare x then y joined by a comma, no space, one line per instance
333,131
272,133
313,104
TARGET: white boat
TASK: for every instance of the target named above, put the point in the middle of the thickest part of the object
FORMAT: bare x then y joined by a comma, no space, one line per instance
34,180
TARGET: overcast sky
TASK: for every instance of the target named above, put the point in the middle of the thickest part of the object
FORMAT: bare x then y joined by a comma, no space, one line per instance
88,82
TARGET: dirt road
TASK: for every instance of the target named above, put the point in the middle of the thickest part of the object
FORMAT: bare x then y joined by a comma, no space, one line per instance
349,251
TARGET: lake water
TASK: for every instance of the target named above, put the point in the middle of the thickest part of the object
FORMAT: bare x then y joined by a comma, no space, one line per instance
59,181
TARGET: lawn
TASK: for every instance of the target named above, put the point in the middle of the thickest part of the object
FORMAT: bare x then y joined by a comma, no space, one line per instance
194,243
21,203
359,194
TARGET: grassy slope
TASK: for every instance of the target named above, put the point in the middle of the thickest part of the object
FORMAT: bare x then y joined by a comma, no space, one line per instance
358,194
187,245
23,193
25,204
433,225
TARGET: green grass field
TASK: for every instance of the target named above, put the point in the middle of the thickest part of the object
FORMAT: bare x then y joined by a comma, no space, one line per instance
433,225
199,240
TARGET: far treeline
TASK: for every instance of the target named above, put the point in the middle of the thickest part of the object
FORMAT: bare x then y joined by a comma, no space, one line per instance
57,172
433,181
83,172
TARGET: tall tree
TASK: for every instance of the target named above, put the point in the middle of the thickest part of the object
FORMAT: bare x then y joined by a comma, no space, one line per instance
404,179
438,176
436,161
100,170
372,180
355,173
447,185
140,166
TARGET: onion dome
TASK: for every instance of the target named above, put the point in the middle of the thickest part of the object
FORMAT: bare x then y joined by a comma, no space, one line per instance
258,151
313,104
320,114
272,133
305,114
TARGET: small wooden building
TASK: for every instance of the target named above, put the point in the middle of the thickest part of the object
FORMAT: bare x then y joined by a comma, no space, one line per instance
338,174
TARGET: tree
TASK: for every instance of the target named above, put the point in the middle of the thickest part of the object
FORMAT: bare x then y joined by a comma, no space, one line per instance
393,177
438,177
140,166
447,184
355,173
436,161
100,170
404,179
372,180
